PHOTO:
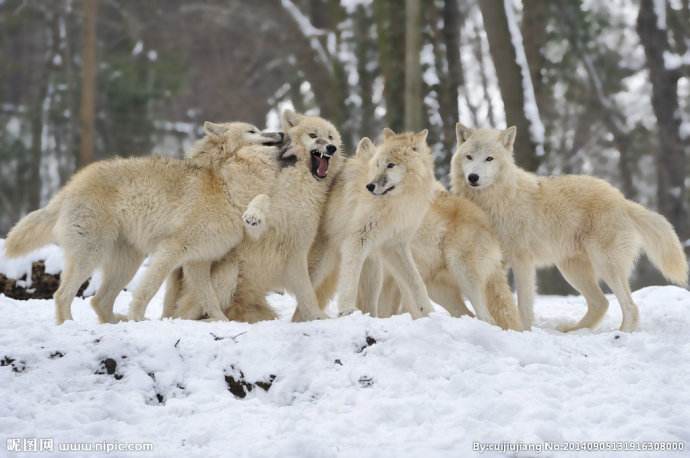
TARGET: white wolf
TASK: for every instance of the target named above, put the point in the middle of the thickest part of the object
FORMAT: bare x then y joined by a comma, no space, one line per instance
581,224
114,212
376,206
457,252
278,260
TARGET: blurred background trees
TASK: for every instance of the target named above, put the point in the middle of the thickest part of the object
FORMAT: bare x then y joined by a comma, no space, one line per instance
600,88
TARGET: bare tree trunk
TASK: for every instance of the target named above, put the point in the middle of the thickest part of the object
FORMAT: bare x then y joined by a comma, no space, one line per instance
534,19
510,80
479,55
671,160
390,20
88,85
413,69
452,23
364,70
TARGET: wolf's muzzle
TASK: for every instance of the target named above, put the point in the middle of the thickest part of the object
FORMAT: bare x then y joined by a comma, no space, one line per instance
273,138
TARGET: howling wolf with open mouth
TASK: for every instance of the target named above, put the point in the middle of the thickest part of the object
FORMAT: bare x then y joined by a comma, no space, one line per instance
278,259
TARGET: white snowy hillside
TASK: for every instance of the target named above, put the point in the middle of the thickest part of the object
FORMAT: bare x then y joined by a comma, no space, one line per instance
347,387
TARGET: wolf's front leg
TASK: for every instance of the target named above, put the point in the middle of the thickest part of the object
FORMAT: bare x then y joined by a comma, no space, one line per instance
400,262
299,283
525,284
255,216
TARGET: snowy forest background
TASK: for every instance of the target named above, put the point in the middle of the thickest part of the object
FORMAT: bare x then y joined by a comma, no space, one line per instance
595,87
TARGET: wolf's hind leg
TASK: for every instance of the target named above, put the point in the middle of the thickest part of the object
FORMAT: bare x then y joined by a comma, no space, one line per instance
162,263
77,270
370,285
117,272
401,264
173,286
470,282
389,300
615,271
352,258
224,277
449,297
579,273
199,276
525,283
299,283
255,216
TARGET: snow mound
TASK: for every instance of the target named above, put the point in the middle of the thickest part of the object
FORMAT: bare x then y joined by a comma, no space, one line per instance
353,386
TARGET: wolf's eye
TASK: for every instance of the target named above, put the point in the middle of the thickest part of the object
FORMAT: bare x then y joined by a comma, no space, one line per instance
469,158
489,159
330,137
390,165
251,131
312,135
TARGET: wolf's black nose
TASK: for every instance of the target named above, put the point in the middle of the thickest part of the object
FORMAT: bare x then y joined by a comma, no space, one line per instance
371,187
331,149
473,177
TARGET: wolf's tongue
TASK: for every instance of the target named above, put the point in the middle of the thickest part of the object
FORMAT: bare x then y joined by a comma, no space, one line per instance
322,169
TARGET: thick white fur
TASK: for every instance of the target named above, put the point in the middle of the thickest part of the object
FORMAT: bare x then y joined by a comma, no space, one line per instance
457,252
581,224
112,213
278,260
381,220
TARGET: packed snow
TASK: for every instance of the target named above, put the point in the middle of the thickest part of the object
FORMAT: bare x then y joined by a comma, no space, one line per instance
353,387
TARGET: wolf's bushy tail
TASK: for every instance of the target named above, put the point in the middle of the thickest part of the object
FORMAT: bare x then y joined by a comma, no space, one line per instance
34,230
661,243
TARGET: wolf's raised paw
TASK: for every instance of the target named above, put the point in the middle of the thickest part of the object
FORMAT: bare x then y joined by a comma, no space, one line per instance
254,222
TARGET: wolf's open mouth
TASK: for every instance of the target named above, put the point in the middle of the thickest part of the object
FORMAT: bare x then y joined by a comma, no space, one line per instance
319,164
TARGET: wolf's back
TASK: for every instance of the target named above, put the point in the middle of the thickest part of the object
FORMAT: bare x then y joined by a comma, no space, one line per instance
34,230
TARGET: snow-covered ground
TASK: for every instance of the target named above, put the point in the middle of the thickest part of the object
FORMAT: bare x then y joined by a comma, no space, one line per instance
353,387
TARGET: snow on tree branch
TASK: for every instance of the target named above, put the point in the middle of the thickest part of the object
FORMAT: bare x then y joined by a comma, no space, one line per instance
531,109
660,12
309,31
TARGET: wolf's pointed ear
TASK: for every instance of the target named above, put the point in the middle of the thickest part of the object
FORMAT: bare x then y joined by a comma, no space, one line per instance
214,130
387,133
422,135
507,137
365,148
462,133
290,119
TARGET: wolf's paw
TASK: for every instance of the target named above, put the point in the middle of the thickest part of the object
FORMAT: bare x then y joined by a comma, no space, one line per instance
118,317
568,327
301,316
220,316
254,222
135,316
349,311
